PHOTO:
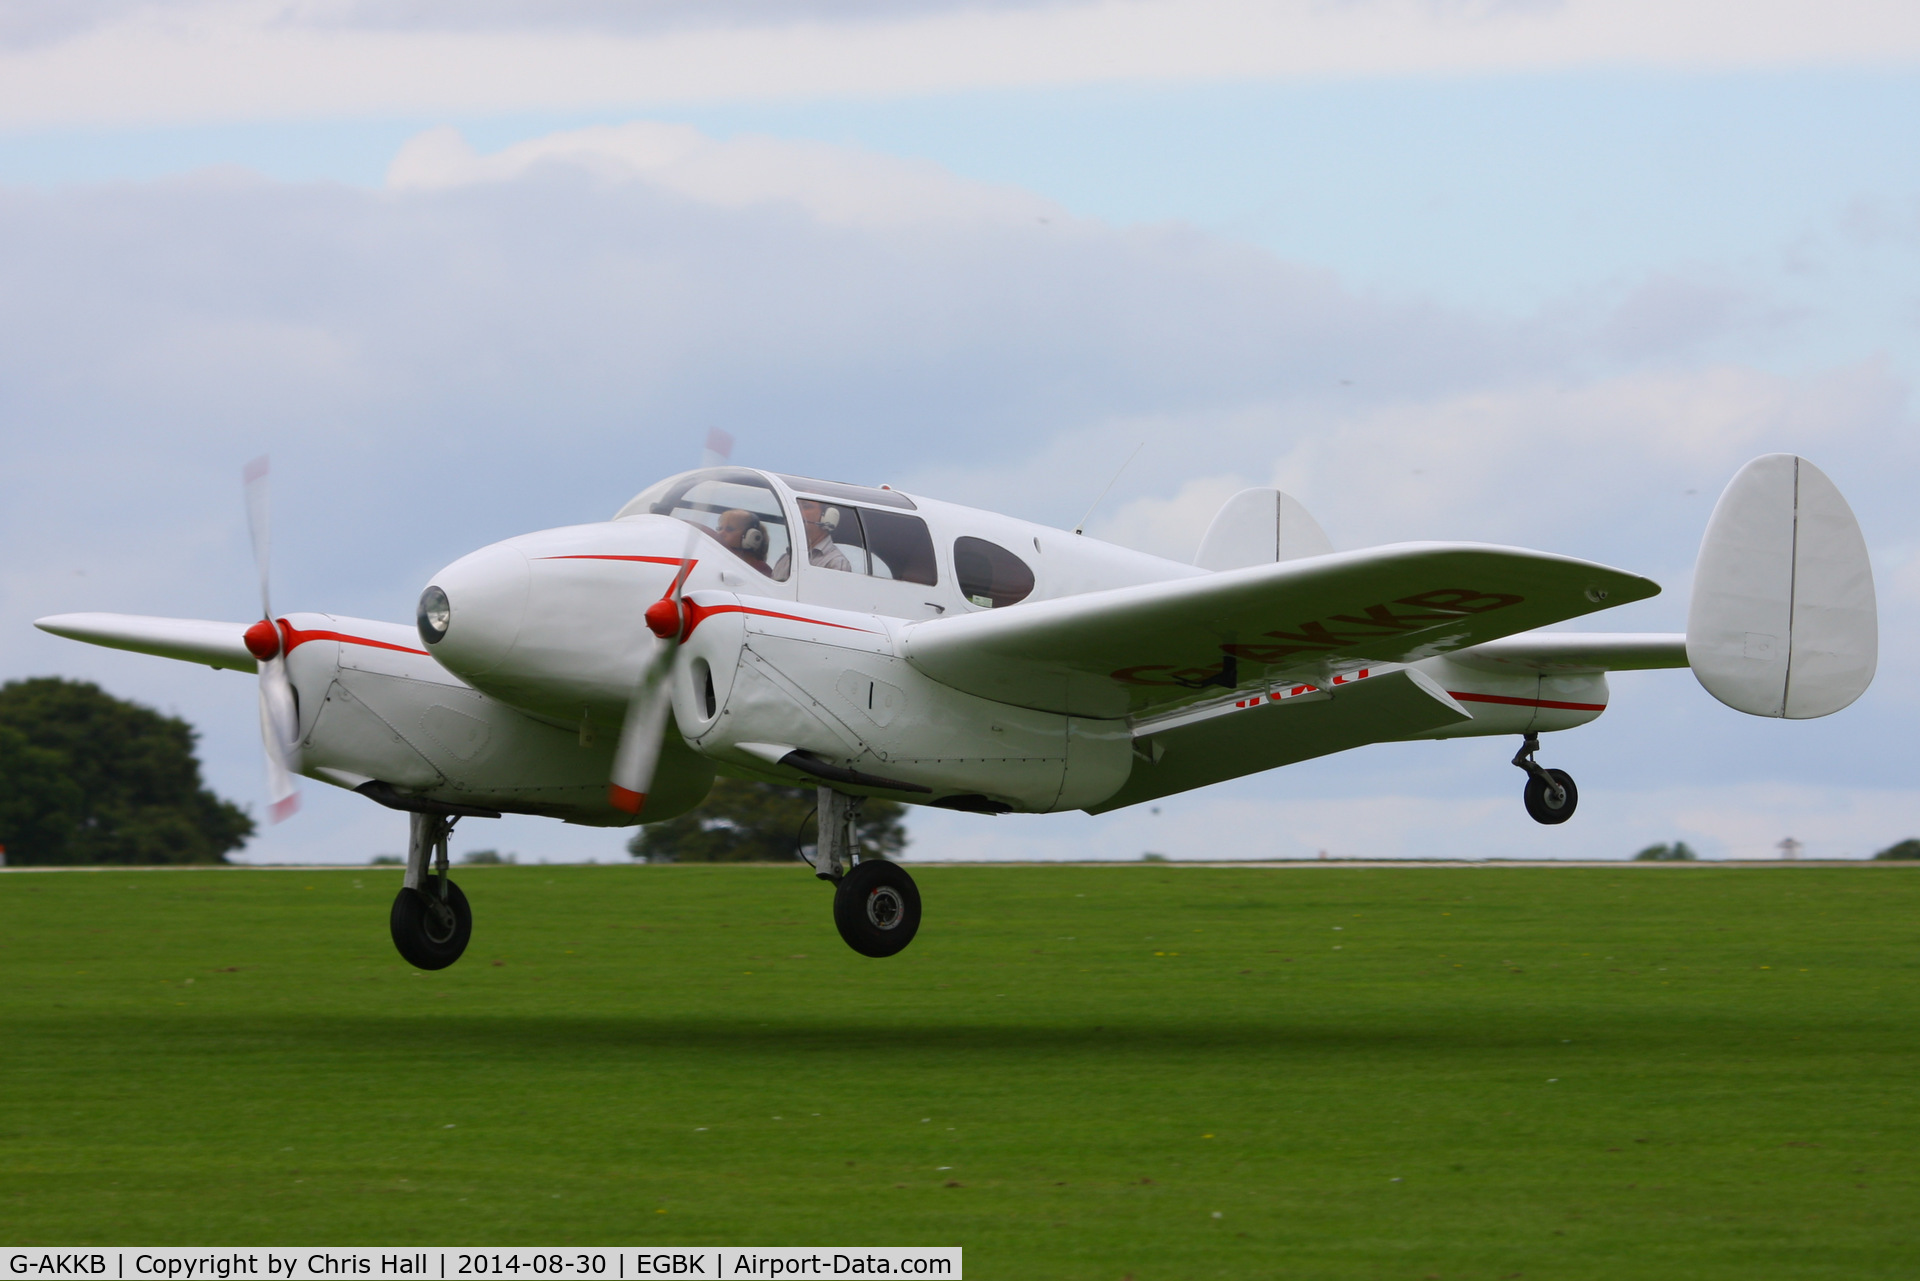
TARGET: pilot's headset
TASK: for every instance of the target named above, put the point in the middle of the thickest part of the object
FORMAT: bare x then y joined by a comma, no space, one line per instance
830,519
754,540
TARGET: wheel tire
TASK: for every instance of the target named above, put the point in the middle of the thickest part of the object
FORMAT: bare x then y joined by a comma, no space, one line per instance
1540,806
431,934
877,908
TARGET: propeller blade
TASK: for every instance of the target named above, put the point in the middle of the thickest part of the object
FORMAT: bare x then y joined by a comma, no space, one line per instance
279,723
277,734
644,731
254,476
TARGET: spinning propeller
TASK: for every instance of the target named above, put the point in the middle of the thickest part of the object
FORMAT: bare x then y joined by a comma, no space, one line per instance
644,732
279,723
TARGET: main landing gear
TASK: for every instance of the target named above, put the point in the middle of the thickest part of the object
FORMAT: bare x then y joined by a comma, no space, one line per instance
431,920
1550,795
876,905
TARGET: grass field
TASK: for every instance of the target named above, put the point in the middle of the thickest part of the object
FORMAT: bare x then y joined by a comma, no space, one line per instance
1093,1072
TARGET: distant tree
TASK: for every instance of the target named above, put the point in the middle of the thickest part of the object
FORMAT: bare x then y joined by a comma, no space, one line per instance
488,858
86,778
1678,852
747,822
1909,848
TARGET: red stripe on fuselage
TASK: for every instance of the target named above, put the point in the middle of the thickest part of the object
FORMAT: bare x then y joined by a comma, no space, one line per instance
1527,702
697,611
292,638
694,611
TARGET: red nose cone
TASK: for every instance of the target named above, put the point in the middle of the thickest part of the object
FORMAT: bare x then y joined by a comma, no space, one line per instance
663,618
263,640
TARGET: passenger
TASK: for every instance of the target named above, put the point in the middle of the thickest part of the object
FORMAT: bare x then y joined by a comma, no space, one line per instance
741,531
820,521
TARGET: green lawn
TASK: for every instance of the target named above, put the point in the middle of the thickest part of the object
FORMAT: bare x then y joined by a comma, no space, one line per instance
1093,1072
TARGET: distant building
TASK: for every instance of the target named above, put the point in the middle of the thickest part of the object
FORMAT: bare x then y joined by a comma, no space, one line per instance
1789,849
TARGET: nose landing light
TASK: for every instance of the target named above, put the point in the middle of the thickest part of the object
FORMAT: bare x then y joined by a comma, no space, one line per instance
436,612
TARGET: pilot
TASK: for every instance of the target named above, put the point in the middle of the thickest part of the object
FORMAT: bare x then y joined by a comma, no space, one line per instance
741,531
820,521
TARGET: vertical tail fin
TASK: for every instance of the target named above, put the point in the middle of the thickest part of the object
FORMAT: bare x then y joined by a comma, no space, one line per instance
1783,620
1259,527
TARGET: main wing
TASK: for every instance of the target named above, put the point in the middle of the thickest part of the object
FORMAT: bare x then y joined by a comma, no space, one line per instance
1158,646
191,640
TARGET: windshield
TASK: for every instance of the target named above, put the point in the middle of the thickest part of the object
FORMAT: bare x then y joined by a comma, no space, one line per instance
732,506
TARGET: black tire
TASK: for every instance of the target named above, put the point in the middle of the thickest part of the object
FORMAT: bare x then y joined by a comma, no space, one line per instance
877,908
1540,806
431,932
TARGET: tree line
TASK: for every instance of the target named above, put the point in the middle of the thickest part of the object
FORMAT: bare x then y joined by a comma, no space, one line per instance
87,778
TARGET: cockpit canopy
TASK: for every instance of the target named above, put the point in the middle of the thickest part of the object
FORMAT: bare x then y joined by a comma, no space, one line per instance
735,507
856,529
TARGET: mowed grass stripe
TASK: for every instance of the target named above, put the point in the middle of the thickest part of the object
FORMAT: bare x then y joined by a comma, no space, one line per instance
1073,1072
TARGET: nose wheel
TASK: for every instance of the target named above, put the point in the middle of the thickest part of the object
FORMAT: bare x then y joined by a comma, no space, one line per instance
1550,795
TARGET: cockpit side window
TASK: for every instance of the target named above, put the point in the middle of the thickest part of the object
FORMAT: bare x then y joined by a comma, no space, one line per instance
989,574
866,540
733,507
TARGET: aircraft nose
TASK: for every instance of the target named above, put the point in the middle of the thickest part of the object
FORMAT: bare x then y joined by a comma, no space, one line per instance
471,612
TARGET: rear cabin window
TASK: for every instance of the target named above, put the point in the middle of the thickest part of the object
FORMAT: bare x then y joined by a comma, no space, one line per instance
989,574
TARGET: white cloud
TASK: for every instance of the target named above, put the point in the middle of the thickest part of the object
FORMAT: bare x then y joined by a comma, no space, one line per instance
267,59
841,186
1621,465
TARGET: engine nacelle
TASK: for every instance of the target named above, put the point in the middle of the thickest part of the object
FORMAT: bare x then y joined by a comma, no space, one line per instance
374,707
757,674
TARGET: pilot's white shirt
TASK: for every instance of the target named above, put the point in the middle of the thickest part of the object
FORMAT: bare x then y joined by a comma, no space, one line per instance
826,554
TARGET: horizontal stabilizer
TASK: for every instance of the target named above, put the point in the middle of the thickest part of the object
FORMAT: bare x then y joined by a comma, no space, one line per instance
1783,620
1578,652
191,640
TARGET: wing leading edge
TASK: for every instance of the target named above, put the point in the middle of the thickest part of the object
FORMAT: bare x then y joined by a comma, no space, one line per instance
1158,646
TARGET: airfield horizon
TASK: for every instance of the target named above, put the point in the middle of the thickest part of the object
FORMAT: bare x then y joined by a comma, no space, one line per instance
1170,861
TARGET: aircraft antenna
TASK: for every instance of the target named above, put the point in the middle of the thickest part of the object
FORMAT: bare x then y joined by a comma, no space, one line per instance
1081,528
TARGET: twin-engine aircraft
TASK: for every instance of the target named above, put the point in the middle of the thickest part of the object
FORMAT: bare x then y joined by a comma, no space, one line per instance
873,643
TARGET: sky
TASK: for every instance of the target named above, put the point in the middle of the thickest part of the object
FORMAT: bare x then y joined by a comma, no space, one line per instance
1541,272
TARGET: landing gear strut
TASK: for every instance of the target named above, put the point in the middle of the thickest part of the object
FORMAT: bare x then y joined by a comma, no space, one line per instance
1550,795
876,905
431,921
